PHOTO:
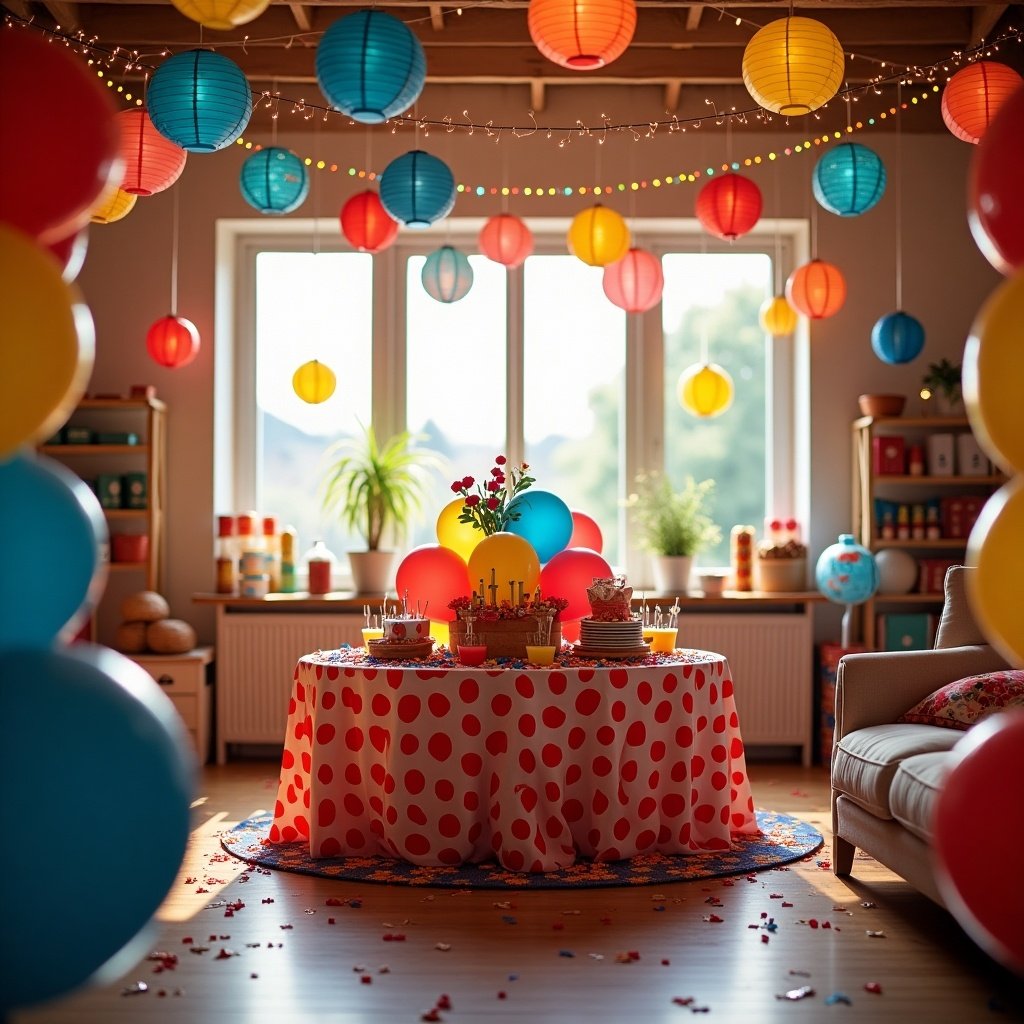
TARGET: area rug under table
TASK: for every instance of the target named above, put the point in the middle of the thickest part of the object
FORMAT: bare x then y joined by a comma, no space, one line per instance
784,839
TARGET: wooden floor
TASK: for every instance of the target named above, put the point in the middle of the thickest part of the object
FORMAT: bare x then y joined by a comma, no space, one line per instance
508,958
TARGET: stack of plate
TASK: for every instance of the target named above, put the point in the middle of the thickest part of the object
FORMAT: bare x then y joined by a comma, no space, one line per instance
611,635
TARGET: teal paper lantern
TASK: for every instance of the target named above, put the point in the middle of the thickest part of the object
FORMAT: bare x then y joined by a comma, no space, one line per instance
846,571
417,189
897,338
199,100
274,181
848,179
447,275
370,66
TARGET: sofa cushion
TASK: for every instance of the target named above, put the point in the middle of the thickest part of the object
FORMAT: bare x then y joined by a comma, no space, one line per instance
915,788
957,626
865,761
958,705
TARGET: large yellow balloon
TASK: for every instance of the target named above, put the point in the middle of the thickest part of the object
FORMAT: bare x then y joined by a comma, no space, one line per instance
459,537
994,590
48,345
993,371
511,558
440,632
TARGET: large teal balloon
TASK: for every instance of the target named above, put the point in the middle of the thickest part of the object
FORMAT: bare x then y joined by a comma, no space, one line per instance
54,539
98,777
544,520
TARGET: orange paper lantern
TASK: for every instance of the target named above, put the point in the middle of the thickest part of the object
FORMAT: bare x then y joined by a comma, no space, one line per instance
729,206
173,341
974,94
151,162
581,34
506,240
817,289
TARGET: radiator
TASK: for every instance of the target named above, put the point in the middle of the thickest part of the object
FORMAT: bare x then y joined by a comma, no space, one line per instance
256,656
771,657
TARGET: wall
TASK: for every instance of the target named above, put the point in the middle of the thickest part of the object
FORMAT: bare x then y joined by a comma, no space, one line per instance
126,279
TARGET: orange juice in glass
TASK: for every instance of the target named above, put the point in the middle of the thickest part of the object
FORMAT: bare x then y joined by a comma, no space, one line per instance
663,639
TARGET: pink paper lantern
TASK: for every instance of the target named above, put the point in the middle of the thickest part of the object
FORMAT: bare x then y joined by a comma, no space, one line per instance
568,575
433,575
635,282
506,240
585,532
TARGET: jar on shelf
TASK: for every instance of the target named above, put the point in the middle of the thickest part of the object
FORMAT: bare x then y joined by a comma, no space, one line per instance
320,562
225,557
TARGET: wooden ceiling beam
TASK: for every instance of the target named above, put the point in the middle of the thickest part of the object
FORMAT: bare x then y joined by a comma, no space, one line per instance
66,15
984,20
538,95
301,17
437,17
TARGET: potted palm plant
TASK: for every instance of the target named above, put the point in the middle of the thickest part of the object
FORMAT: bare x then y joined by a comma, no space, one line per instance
943,382
375,489
674,525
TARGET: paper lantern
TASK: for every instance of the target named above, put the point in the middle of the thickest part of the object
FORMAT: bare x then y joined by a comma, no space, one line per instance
118,205
447,275
370,66
313,382
848,179
598,236
366,224
417,189
973,96
274,181
221,14
151,162
506,240
581,34
897,338
200,100
816,289
173,342
729,206
705,389
777,316
793,65
635,282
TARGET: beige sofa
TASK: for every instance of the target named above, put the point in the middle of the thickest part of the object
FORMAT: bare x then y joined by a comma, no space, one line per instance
885,775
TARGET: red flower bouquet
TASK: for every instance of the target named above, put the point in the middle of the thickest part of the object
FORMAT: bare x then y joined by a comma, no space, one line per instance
486,504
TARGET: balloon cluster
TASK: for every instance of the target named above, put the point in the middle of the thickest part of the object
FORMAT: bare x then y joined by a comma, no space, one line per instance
89,745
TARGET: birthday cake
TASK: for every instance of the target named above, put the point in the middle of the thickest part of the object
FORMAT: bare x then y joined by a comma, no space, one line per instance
611,626
409,628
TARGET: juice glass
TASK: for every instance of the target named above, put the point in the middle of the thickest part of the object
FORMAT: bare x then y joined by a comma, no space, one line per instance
664,640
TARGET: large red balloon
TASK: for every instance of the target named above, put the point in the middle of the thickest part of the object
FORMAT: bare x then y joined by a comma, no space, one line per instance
568,575
995,198
585,532
58,134
980,798
435,575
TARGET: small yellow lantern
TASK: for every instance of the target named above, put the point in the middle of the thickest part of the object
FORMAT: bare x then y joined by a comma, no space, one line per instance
598,236
314,382
113,207
221,14
705,390
777,317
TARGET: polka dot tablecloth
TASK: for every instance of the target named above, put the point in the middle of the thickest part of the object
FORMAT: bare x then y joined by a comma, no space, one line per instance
534,767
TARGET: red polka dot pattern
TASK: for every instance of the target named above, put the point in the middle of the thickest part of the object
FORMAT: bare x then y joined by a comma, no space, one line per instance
536,767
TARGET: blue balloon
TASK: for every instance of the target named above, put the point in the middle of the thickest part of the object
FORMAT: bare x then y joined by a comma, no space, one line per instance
274,181
54,571
846,572
544,520
897,338
416,189
848,179
447,275
98,776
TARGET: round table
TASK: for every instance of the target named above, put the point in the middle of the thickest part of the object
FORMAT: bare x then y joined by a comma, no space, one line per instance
443,764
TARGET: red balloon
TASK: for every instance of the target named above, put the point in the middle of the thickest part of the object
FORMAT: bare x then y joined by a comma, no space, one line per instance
59,136
571,631
433,575
70,253
995,199
568,574
585,532
979,798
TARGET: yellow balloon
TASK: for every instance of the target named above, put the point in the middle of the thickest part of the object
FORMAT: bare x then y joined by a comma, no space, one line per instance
994,590
459,537
511,558
992,373
439,631
48,345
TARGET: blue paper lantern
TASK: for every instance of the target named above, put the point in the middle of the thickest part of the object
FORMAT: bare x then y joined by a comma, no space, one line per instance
846,572
897,338
544,520
370,66
416,189
848,179
447,275
274,181
199,100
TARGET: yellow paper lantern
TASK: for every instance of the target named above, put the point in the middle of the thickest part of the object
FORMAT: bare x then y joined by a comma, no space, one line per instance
598,236
777,316
221,14
458,537
705,389
793,65
113,207
314,382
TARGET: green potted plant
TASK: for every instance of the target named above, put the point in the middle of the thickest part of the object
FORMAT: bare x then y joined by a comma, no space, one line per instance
375,489
942,381
674,525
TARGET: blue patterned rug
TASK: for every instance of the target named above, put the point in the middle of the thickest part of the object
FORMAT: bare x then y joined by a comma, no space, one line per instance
784,839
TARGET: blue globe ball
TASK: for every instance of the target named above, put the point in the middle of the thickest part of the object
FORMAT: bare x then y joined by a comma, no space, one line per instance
447,275
417,189
544,520
848,179
897,338
274,181
846,572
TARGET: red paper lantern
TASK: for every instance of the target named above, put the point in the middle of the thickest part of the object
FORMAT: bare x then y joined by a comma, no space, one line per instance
581,34
817,289
729,206
635,282
152,163
366,224
173,341
506,240
974,95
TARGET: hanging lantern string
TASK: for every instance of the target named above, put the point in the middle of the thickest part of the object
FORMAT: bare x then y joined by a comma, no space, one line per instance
899,212
174,253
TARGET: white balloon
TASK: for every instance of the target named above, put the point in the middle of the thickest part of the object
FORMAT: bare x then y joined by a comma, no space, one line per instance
897,571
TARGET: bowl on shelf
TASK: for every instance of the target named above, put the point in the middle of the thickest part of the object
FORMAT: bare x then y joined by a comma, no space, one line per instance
881,405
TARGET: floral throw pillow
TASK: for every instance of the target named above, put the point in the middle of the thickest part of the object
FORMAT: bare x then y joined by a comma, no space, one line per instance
959,705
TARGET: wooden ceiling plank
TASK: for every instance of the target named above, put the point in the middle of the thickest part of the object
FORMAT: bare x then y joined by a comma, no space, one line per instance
301,16
437,17
693,14
673,88
537,95
984,20
64,14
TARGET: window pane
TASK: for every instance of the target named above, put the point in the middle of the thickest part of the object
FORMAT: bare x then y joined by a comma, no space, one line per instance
309,307
573,382
717,297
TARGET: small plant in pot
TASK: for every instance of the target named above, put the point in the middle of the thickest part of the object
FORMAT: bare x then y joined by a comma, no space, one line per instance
942,384
375,489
